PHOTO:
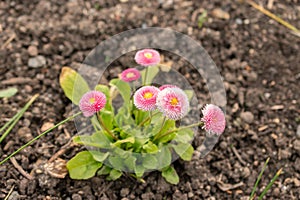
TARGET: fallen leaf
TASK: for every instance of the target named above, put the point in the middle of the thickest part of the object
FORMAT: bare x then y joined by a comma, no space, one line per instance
56,169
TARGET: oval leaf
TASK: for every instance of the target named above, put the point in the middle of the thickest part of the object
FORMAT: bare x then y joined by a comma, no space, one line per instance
83,166
170,175
73,85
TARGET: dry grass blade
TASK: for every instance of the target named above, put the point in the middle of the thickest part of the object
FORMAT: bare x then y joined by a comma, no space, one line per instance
294,30
9,193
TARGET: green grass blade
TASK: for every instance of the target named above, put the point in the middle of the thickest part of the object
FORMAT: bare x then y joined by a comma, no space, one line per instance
270,184
37,137
16,118
258,179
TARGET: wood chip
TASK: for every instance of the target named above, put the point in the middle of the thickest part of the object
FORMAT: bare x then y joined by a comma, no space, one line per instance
262,128
221,14
16,80
46,126
277,107
274,136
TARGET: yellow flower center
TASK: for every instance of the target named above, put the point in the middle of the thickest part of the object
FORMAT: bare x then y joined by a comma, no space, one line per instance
174,101
92,100
130,75
148,95
148,55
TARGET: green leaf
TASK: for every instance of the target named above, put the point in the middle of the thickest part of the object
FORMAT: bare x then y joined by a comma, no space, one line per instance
83,166
164,157
184,135
97,139
168,125
114,175
130,163
202,18
167,138
184,150
73,85
139,170
8,92
170,175
130,140
150,147
107,118
152,72
116,162
189,94
99,156
95,123
123,88
104,170
150,161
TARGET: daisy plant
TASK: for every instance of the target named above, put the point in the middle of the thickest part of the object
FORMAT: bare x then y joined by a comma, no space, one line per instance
144,133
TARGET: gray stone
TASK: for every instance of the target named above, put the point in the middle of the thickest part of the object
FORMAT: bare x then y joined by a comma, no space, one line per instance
298,132
247,117
36,62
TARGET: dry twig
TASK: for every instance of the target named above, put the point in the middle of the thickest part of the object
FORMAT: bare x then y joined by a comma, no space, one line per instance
238,156
8,41
20,169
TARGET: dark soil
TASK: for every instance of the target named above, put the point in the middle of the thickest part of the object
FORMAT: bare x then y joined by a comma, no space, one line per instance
258,58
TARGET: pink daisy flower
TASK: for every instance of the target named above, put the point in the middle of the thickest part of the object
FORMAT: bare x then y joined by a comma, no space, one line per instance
147,57
91,102
214,119
130,74
167,86
145,98
173,103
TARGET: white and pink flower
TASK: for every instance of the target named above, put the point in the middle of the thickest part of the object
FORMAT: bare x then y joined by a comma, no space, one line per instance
130,75
173,103
147,57
167,86
92,102
214,119
145,98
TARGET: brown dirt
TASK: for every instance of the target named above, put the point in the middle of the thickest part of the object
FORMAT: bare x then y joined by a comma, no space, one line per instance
258,58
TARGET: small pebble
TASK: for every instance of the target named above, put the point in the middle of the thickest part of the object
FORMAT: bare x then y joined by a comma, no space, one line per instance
298,131
124,192
76,197
32,51
25,133
36,62
247,117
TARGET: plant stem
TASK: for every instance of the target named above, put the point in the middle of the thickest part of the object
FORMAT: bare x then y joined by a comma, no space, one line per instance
178,129
162,125
105,128
16,118
148,118
39,136
146,74
270,184
258,179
